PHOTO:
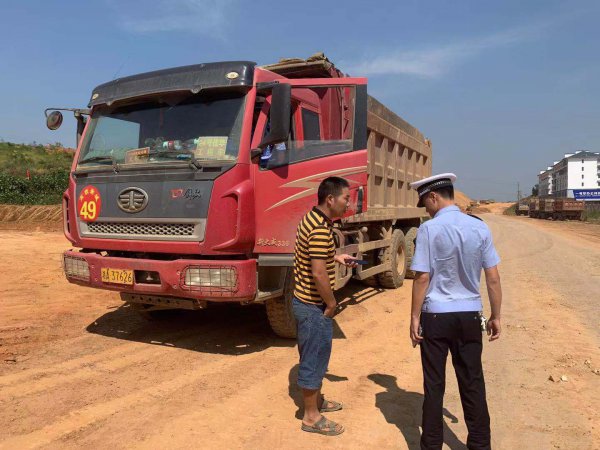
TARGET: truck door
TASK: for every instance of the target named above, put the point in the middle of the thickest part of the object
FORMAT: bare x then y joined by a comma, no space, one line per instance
328,137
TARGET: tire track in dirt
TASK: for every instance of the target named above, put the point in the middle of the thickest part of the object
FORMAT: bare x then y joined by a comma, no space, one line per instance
205,373
107,361
354,373
538,334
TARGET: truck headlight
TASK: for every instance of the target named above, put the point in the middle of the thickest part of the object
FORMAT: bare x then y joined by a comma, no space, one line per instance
76,268
207,278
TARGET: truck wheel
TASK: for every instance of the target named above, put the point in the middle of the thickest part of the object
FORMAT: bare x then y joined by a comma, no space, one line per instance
396,254
280,313
410,236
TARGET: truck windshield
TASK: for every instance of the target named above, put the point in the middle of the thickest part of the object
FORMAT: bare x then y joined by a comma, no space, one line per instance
166,129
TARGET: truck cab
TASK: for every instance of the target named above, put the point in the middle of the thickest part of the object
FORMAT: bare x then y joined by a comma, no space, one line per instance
188,183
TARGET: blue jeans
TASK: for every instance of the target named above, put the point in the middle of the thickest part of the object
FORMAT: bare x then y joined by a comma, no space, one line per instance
315,333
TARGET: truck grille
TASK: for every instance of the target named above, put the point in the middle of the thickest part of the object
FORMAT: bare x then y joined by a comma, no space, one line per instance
142,229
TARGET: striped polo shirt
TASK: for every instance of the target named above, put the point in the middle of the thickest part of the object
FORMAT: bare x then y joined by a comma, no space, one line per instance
314,240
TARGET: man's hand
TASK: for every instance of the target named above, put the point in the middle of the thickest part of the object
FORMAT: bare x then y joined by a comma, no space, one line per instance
492,279
341,259
493,328
415,337
329,311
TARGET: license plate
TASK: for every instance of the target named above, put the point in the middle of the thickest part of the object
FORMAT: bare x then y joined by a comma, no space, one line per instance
118,276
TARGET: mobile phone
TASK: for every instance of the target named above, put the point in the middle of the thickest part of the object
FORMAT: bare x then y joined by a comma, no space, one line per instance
483,322
362,262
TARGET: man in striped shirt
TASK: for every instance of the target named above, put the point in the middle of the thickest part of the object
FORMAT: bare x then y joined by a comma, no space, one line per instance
314,303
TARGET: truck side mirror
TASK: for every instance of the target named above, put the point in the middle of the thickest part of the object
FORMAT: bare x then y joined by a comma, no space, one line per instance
54,120
280,115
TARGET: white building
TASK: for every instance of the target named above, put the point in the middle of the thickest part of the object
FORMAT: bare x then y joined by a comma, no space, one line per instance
579,170
546,183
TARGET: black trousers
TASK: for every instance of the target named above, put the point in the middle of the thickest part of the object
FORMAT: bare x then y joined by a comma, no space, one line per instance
461,334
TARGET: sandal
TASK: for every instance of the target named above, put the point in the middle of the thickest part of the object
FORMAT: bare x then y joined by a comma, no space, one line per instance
333,406
323,426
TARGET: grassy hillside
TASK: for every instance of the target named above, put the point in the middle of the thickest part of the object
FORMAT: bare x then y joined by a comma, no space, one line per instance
511,210
48,168
16,159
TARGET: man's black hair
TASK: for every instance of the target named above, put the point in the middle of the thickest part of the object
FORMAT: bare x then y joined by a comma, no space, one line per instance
331,186
446,192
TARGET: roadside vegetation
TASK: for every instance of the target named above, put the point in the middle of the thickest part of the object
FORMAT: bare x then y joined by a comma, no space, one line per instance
591,216
33,174
511,210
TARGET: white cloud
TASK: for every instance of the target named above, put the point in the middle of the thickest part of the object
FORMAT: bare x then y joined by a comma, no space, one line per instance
209,17
433,62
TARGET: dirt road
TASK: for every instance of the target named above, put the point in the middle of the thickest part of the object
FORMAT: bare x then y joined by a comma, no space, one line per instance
77,369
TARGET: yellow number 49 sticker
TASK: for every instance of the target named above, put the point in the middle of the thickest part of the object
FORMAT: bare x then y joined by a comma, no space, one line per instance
89,204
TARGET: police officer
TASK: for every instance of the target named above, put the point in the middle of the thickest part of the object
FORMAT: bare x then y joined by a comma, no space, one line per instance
451,250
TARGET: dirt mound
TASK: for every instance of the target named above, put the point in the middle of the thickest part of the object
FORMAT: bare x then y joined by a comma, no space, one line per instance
30,213
46,217
461,200
498,208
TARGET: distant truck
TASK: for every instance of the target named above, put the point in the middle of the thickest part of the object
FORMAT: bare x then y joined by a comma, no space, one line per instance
556,208
534,208
568,208
522,208
546,208
188,183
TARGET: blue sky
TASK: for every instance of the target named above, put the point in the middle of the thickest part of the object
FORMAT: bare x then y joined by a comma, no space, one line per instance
501,88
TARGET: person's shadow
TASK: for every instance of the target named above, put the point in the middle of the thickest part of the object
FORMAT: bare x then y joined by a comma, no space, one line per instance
403,409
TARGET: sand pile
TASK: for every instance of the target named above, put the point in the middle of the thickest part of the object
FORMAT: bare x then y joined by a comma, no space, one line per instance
461,200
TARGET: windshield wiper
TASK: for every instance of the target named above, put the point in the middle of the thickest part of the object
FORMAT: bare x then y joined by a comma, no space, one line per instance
100,159
194,164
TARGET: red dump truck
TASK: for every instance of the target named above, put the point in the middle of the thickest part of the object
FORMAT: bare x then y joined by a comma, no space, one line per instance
546,208
188,183
534,208
568,208
522,208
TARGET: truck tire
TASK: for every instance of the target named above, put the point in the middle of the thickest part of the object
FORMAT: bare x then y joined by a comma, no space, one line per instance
410,236
280,313
396,254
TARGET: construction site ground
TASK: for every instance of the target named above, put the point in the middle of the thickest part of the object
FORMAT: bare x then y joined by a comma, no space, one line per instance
78,369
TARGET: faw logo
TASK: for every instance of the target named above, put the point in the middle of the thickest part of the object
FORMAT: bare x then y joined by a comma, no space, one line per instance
191,194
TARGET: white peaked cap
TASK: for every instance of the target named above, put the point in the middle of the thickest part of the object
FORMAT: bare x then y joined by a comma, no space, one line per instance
426,185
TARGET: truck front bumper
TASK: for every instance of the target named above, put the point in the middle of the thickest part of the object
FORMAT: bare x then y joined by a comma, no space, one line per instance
214,280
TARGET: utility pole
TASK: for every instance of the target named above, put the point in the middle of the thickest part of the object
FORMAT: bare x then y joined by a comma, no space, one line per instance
518,192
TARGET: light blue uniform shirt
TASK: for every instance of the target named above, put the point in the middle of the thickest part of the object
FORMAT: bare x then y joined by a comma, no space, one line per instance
453,248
